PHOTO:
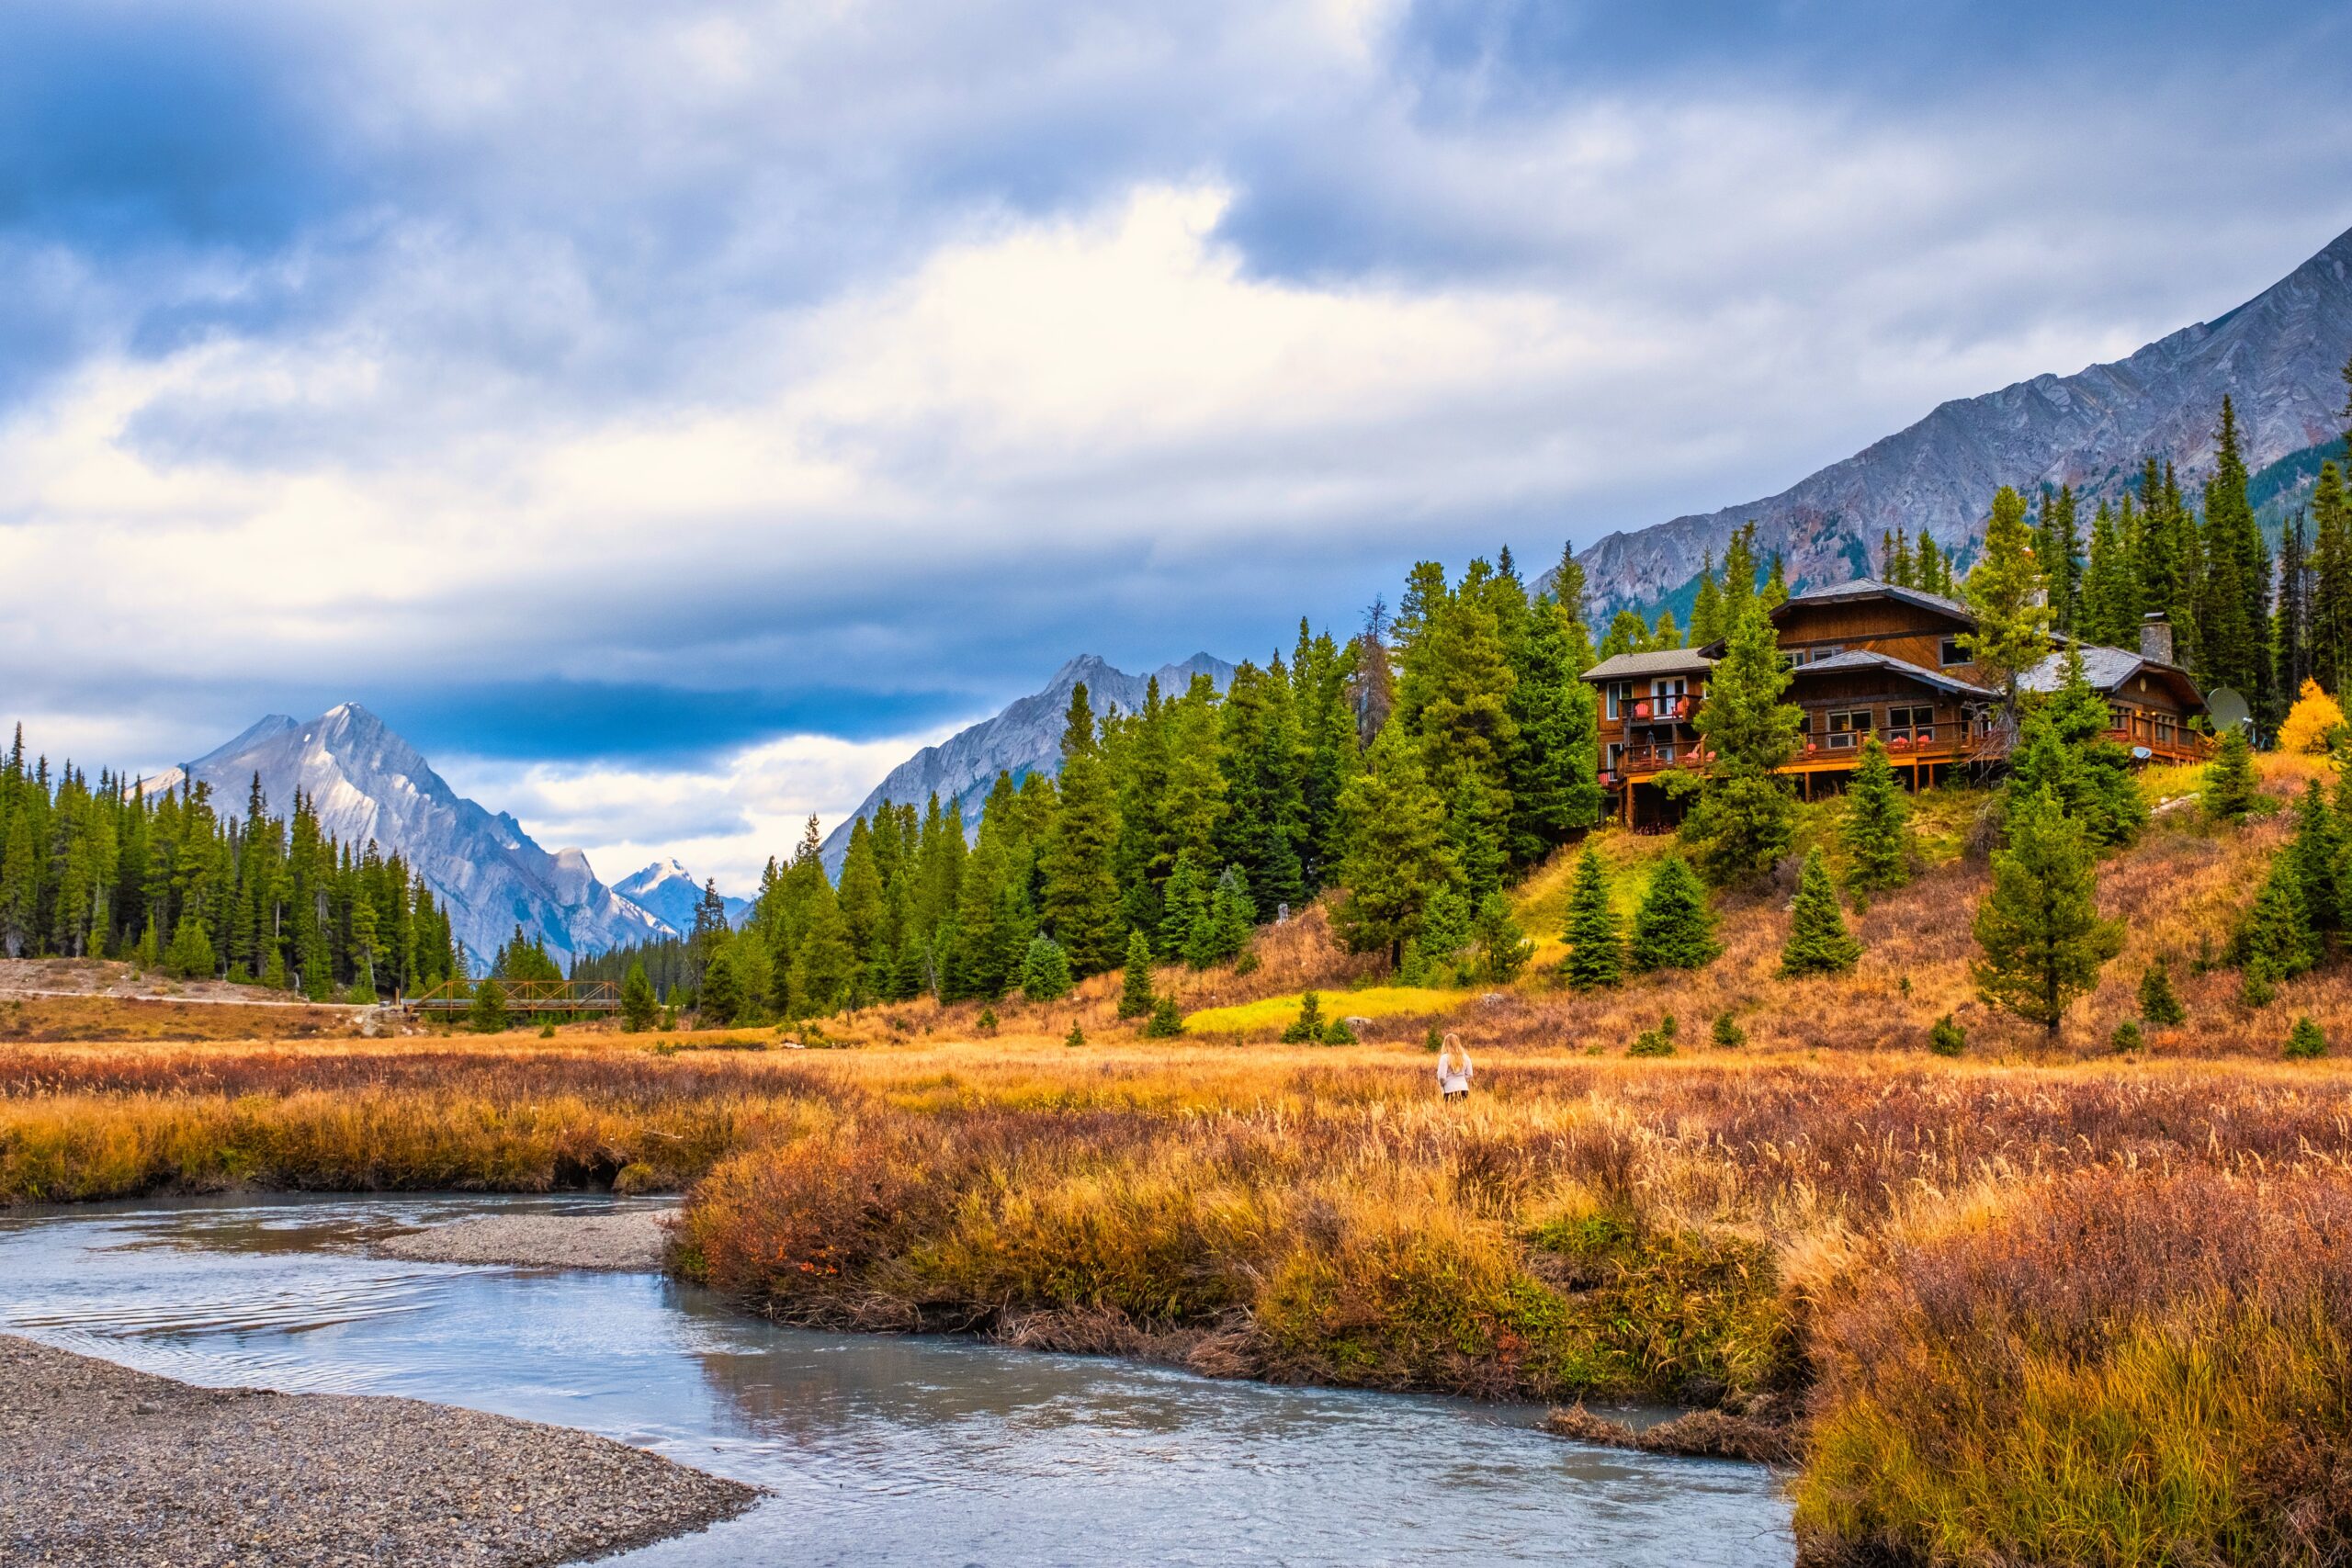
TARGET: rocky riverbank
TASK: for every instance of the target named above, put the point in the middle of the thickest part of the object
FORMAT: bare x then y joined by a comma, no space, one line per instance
631,1241
110,1468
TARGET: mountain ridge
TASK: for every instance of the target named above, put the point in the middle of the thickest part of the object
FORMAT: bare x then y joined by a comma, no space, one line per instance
2278,355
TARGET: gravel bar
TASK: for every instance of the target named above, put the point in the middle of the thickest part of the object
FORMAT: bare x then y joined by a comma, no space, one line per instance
110,1468
626,1242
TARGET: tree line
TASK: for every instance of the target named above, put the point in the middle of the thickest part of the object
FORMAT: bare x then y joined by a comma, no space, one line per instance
166,880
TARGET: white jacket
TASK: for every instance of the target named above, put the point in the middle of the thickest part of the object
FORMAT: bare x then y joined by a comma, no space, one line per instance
1452,1078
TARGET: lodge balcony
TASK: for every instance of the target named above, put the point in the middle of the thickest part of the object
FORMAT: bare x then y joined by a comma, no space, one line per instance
1926,747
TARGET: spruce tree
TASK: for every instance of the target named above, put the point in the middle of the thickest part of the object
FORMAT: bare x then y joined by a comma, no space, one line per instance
1166,1022
824,965
1553,761
2228,793
1627,634
2057,545
2317,853
2066,749
1744,818
1136,998
2304,1041
2278,940
638,1002
192,956
2042,940
2158,1002
1876,832
1707,607
1503,948
489,1013
2331,620
2230,609
1044,974
1596,949
1397,853
1818,941
1673,929
1081,902
722,999
2006,592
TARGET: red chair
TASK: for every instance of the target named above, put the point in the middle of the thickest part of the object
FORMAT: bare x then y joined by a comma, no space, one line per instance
1641,710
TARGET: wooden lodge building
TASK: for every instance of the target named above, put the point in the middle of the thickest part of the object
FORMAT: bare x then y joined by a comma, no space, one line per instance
1869,659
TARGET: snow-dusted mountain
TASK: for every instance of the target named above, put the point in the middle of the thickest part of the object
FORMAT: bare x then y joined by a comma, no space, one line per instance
366,782
669,892
2277,355
1026,737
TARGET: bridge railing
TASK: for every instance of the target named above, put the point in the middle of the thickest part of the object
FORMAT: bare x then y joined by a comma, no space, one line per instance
524,996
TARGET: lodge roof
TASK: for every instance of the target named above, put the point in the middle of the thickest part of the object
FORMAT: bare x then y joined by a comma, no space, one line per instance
1863,658
1872,588
1634,666
2106,669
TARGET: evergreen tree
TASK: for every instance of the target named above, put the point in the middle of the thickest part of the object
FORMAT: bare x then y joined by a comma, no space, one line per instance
1818,941
1876,832
2057,546
721,999
2066,750
489,1012
1397,853
2278,941
1166,1022
1627,634
1596,949
1044,972
2039,926
1136,998
1503,948
1674,929
1081,905
2318,853
824,965
2232,608
1932,574
2006,593
1745,820
638,1003
2109,614
1184,909
2158,1002
1225,933
2290,640
1553,762
2228,793
2304,1041
1666,636
192,956
1707,607
2331,618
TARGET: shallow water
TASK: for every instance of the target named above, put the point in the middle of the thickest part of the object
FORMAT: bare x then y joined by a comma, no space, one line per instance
879,1450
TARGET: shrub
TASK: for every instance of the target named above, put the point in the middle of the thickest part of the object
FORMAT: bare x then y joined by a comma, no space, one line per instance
1433,1041
986,1023
1337,1033
2158,1003
547,1030
1727,1033
1659,1041
1819,941
1946,1038
2304,1041
2127,1036
1307,1028
1076,1036
1165,1022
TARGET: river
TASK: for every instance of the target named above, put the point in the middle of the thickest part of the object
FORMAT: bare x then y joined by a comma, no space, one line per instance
880,1449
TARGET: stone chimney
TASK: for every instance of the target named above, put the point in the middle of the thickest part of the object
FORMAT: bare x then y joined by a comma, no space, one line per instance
2155,638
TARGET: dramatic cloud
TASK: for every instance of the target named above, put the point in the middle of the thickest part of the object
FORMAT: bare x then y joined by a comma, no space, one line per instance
669,412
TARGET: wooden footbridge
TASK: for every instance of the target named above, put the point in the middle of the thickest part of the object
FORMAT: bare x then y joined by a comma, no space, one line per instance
533,997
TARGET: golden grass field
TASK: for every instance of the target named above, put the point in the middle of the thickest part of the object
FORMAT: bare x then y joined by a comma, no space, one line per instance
2033,1305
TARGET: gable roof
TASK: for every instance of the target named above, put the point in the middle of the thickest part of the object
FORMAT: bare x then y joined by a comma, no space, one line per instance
1863,658
2108,670
1872,588
1634,666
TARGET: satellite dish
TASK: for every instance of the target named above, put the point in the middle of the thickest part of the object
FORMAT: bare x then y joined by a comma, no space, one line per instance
2229,709
2140,753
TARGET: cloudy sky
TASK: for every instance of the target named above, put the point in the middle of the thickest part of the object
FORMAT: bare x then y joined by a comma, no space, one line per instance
668,415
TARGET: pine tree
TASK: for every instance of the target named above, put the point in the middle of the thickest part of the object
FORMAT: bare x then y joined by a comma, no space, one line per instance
2158,1002
824,965
1876,832
2039,926
2232,609
1596,948
1553,761
1397,853
1818,941
2331,618
1166,1022
1627,634
2317,853
1136,998
1666,636
1706,607
1183,910
2290,627
638,1002
2304,1041
1503,948
192,956
489,1013
1044,974
2278,939
2109,614
1080,903
2057,546
720,1000
1745,819
2006,593
2228,793
1673,929
2066,749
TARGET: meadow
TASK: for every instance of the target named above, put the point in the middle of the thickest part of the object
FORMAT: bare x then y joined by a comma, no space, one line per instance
2033,1304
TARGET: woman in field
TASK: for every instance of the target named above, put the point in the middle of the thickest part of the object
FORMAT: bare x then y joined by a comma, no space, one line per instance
1453,1069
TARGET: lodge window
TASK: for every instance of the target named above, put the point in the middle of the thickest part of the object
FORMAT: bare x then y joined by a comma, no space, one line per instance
1914,725
1949,652
1848,729
1618,691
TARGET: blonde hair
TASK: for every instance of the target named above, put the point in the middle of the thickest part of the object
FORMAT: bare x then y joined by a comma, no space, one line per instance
1452,1051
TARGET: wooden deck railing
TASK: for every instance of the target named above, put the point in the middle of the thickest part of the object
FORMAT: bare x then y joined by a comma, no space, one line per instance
1637,763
